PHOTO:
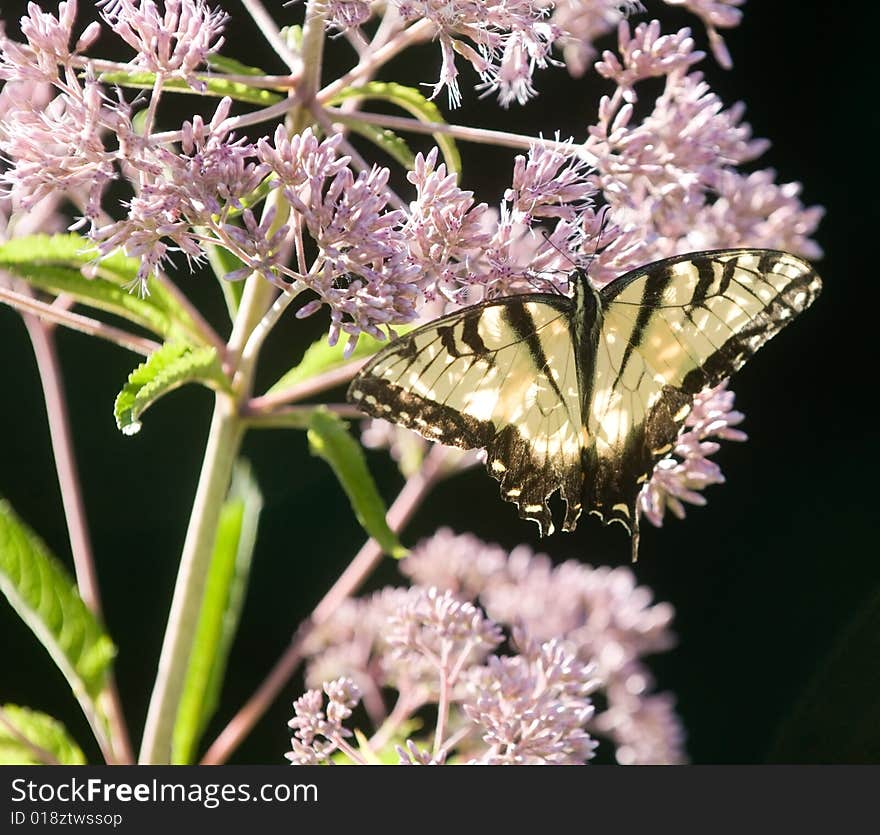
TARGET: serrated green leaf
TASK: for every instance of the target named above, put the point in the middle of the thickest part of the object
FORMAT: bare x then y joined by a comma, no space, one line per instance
166,369
320,357
329,438
55,263
413,102
45,598
224,595
217,87
382,138
29,737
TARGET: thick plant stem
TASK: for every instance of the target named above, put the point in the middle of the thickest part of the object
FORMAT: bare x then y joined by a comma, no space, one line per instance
312,54
224,440
414,492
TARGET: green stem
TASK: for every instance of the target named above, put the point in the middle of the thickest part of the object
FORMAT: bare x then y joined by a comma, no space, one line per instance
224,440
312,54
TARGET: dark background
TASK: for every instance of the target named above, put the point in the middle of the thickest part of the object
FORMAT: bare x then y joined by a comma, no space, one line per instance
775,583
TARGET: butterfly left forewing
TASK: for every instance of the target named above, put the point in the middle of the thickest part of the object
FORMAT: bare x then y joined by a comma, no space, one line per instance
669,330
502,376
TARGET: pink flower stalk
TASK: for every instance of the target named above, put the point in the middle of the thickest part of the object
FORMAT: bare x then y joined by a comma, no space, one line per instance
647,54
503,40
48,44
715,14
670,179
582,22
43,216
532,708
173,41
437,629
472,252
344,15
364,271
58,147
446,231
180,194
680,476
319,731
549,183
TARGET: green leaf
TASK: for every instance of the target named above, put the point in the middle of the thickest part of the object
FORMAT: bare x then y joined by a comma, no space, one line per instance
225,64
28,737
329,438
382,138
217,87
413,102
55,263
293,37
320,357
168,368
223,262
45,598
225,589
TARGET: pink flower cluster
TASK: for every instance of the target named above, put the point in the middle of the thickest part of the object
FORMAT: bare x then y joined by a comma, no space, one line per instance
577,631
505,41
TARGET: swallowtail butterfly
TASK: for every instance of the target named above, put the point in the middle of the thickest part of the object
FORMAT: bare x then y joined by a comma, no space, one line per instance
583,395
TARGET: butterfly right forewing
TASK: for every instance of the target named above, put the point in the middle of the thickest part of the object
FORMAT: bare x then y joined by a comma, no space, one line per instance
669,330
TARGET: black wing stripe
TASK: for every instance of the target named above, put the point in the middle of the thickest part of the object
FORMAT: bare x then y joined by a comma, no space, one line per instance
654,286
471,335
524,327
704,282
727,275
447,340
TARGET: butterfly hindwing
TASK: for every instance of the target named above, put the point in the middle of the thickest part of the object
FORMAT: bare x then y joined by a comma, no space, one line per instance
500,375
669,330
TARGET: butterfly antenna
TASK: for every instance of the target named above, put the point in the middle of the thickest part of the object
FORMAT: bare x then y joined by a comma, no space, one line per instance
603,222
563,253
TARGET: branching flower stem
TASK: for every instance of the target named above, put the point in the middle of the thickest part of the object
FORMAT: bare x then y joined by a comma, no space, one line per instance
270,319
270,32
482,136
46,312
405,505
372,60
265,403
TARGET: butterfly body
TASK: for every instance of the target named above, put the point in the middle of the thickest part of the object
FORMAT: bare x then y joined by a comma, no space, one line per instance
584,394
